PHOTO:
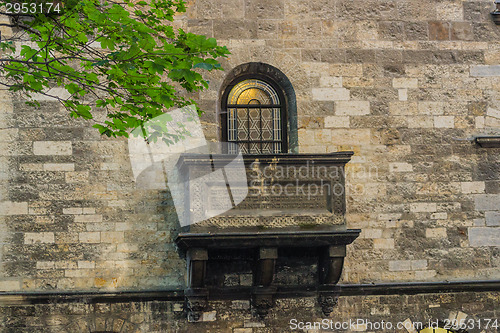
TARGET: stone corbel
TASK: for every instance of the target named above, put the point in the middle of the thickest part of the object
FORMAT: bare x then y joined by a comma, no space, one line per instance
328,300
330,267
196,294
263,293
331,263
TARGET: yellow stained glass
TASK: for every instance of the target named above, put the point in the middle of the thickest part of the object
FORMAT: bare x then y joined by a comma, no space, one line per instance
253,92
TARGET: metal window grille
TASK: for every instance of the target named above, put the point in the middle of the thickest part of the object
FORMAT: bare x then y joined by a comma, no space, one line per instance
255,118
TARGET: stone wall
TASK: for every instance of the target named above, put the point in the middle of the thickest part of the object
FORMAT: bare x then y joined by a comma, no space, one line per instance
354,314
73,218
404,84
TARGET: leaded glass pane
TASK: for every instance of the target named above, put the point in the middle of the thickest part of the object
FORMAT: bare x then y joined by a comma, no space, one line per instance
254,118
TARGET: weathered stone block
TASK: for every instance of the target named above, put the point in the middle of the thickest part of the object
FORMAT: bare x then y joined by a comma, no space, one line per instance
332,56
330,81
59,166
38,237
415,31
490,122
209,316
473,187
112,237
331,94
439,30
418,265
490,112
439,216
424,275
77,273
82,264
52,148
337,122
383,243
88,210
77,177
240,305
484,236
391,30
479,122
423,207
346,69
235,29
56,91
399,265
403,94
444,121
13,208
360,56
351,137
306,137
72,210
45,265
403,108
262,9
242,330
352,108
431,108
476,11
66,237
89,237
389,58
450,11
400,167
435,233
205,9
357,82
323,136
485,70
402,82
202,27
492,218
8,134
10,285
485,202
461,31
371,233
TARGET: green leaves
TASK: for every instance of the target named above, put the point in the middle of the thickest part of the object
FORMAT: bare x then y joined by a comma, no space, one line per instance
83,111
121,57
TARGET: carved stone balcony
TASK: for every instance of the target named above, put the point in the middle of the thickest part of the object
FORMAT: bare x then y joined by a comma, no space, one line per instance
288,205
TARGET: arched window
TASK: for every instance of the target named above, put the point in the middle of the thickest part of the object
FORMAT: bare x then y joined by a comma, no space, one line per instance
255,110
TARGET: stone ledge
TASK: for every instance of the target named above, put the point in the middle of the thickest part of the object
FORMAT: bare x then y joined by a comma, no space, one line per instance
266,239
177,295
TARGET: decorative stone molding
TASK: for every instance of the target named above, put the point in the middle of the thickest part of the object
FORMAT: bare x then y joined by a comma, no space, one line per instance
328,300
